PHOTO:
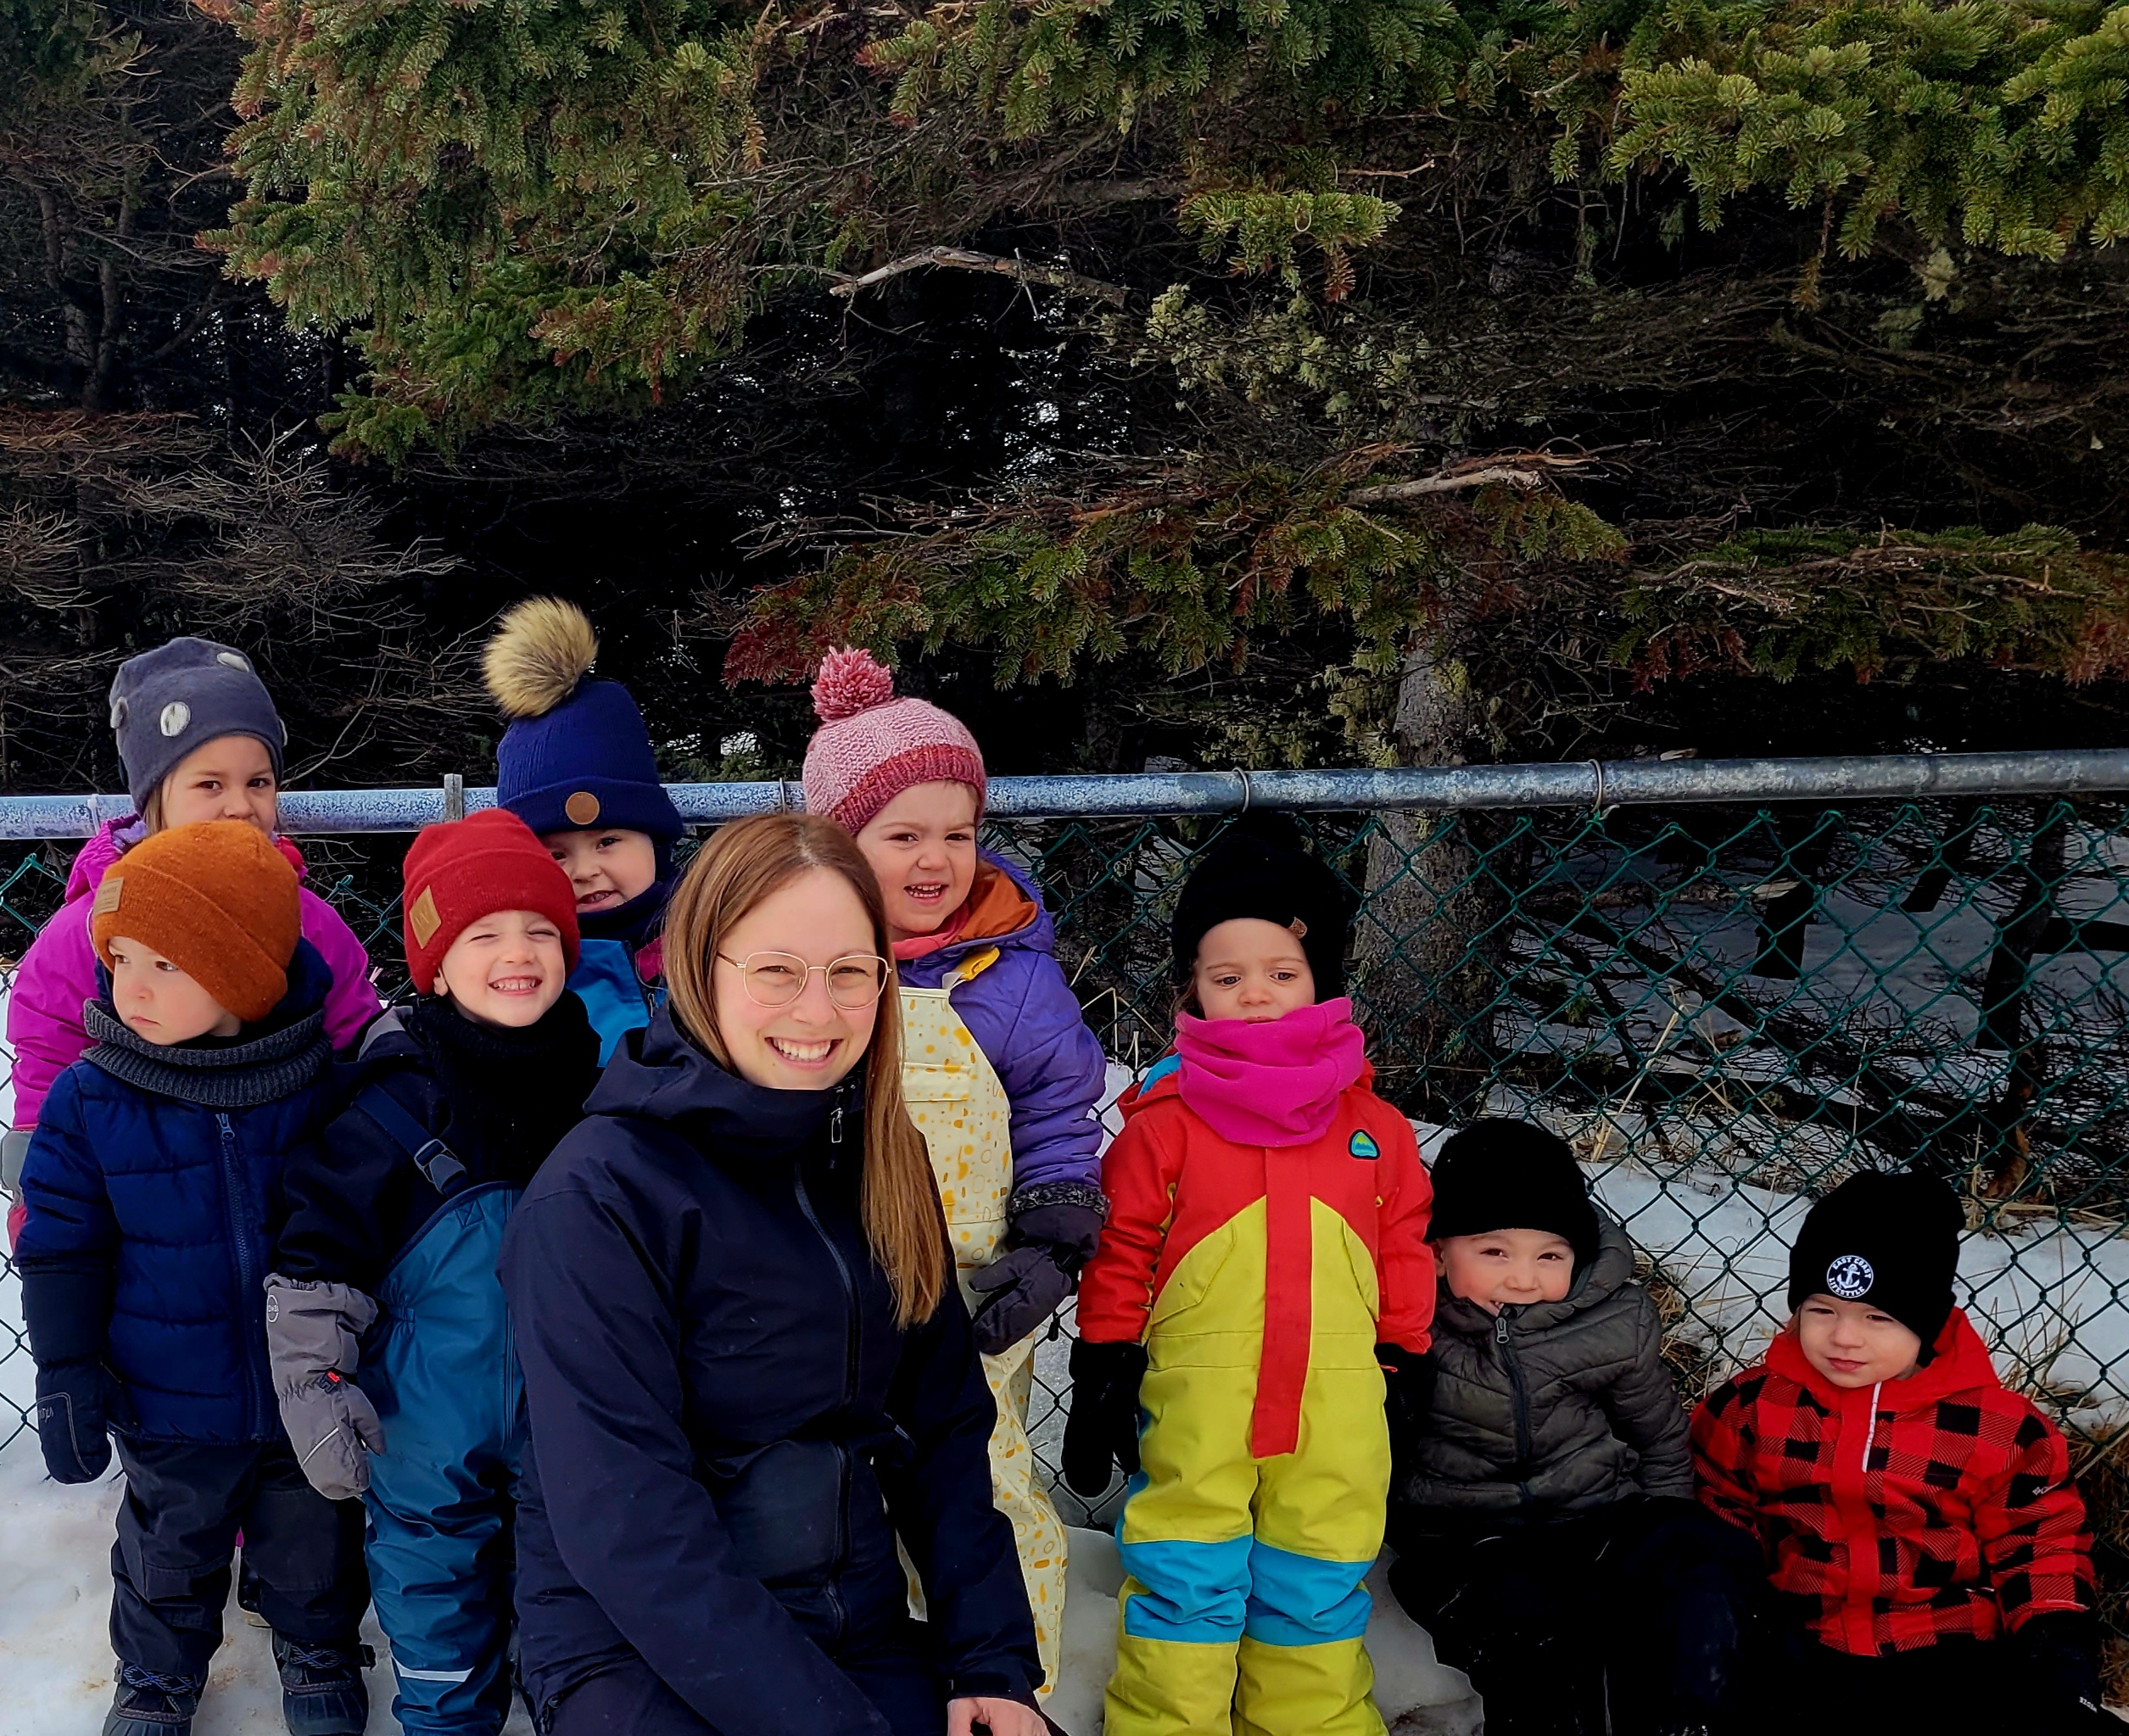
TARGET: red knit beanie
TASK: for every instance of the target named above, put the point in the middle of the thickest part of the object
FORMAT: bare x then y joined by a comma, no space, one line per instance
871,747
463,870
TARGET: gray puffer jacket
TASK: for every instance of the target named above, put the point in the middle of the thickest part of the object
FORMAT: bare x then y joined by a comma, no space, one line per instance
1546,1410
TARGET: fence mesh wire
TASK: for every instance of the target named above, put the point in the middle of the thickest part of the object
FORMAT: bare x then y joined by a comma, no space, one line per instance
1725,1010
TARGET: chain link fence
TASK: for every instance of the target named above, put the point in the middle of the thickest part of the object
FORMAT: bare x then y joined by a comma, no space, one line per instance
1726,1008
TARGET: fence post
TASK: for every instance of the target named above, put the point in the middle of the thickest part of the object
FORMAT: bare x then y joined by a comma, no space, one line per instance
453,795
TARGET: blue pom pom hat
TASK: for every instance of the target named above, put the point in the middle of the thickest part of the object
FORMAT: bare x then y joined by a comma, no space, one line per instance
575,755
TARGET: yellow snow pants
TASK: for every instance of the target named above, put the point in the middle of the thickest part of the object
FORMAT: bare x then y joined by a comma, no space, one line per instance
960,1107
1243,1612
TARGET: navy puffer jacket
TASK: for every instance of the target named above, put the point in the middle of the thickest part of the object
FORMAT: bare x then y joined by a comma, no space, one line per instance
729,1430
151,1186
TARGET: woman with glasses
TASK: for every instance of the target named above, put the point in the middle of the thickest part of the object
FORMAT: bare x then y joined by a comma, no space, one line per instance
747,1369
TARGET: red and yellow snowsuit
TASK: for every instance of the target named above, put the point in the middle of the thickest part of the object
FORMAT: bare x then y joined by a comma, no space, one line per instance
1260,1279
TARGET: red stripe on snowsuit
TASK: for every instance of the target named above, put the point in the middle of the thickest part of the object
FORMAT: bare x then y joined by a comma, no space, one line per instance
1172,1182
1939,1507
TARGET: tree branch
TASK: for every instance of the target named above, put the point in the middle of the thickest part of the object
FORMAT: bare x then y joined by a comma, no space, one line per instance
961,259
1523,470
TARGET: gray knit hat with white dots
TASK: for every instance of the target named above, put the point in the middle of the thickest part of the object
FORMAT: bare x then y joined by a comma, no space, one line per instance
179,696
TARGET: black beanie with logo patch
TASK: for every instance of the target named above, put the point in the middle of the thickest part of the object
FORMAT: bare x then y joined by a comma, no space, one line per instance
1891,1240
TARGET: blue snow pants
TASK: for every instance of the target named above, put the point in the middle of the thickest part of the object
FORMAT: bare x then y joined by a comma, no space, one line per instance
443,1373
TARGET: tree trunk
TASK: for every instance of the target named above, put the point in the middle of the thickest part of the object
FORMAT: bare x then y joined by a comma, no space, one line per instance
1433,934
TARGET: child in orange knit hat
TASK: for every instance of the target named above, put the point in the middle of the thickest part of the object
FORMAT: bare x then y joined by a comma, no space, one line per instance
143,1262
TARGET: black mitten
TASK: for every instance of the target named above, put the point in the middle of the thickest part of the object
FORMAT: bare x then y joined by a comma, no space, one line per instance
1103,1428
70,1428
2059,1659
1020,1290
1065,1217
1408,1377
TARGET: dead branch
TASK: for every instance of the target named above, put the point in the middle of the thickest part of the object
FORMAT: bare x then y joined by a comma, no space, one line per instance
961,259
1521,469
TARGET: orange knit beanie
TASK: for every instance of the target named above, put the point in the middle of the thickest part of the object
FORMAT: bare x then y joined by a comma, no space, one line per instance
217,900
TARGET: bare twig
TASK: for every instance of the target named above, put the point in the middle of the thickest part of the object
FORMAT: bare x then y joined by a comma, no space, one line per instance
1523,470
961,259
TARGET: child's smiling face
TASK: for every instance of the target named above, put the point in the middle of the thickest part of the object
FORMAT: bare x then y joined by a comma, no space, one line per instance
607,865
1508,1267
1253,970
1853,1344
506,968
922,850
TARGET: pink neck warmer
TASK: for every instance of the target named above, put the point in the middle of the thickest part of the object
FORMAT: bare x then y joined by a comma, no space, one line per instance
1273,1084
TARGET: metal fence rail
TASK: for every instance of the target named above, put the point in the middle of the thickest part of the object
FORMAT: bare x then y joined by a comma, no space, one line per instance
1728,984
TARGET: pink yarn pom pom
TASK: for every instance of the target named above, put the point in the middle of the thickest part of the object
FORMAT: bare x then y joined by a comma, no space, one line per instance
850,682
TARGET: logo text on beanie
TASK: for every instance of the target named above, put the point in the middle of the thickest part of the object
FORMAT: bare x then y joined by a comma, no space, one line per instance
175,716
1849,1277
109,890
422,918
582,808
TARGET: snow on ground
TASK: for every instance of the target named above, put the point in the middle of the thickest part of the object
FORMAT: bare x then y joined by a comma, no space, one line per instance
1418,1696
55,1599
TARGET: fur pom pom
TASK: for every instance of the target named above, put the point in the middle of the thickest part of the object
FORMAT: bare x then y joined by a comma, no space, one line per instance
850,682
537,656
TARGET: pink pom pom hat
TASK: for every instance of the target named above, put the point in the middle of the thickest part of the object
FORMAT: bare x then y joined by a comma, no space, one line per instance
871,747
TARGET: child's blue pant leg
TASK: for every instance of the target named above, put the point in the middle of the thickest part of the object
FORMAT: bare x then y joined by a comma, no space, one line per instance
440,1571
441,1502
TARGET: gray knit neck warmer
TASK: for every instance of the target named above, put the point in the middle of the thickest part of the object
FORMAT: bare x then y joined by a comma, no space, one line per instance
240,1074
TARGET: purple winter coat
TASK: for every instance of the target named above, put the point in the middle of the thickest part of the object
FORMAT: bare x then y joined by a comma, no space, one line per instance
57,974
1025,1019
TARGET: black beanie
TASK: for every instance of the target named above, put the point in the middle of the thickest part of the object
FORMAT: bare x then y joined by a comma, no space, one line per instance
1891,1240
1258,869
1499,1174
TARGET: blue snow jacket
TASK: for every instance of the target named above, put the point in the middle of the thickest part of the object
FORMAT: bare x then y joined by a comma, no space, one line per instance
609,982
729,1430
406,1199
151,1185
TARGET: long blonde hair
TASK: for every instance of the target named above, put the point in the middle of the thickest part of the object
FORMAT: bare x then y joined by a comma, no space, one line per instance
744,864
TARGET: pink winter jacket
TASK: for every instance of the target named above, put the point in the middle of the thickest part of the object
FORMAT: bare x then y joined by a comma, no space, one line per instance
57,974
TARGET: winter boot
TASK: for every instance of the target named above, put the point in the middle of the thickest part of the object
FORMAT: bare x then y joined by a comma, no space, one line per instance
149,1704
323,1692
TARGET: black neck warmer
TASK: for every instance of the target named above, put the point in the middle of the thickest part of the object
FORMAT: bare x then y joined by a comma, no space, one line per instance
513,1093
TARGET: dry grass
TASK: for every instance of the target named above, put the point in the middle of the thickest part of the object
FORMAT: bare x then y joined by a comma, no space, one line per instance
1694,1366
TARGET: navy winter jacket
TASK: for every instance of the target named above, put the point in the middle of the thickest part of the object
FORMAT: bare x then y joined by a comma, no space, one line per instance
729,1430
147,1239
499,1099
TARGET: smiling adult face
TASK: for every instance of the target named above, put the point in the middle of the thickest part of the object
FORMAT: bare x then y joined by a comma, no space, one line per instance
812,1040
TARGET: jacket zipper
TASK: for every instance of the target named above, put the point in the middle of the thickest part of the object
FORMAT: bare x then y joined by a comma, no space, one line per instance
234,1194
1520,1389
854,1320
1852,1509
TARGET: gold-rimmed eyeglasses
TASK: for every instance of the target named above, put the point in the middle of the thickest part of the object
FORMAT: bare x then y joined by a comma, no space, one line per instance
854,981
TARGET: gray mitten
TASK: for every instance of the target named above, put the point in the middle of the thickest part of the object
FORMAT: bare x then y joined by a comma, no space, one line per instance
314,1335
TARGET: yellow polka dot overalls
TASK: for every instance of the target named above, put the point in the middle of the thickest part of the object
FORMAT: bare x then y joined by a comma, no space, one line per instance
960,1107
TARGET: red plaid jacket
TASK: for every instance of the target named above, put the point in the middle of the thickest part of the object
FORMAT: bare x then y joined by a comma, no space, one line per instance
1919,1510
